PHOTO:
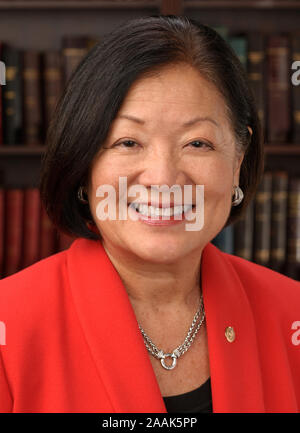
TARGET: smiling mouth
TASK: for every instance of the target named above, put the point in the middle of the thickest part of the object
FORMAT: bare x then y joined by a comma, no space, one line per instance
154,211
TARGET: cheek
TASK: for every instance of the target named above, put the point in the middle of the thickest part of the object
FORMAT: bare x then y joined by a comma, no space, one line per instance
217,177
217,196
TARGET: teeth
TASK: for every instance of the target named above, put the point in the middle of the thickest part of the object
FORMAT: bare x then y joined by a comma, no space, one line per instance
158,211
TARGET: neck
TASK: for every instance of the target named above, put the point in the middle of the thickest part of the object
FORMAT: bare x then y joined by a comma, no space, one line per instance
159,286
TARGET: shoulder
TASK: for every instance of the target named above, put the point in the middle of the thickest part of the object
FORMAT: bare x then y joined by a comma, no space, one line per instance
259,273
264,285
42,269
33,288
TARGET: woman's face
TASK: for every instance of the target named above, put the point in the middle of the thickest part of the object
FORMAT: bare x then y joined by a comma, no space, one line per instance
159,150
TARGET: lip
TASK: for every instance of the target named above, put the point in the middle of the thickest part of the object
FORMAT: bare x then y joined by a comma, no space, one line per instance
154,222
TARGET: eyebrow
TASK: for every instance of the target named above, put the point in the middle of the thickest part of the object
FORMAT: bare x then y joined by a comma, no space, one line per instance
184,125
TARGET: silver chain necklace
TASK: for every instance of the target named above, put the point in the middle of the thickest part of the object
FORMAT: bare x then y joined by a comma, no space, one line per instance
180,350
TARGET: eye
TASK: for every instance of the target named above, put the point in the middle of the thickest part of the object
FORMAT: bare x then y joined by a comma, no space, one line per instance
200,144
126,143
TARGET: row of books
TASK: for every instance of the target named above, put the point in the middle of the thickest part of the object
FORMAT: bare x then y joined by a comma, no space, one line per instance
270,61
26,233
269,232
35,80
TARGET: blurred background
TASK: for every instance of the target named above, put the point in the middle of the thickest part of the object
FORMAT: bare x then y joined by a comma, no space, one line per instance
41,43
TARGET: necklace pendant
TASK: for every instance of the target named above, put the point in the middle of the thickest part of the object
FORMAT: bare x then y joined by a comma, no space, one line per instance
170,355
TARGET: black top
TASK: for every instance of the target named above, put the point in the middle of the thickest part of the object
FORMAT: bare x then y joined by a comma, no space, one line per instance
197,401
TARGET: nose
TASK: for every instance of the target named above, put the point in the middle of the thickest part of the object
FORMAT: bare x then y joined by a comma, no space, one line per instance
161,166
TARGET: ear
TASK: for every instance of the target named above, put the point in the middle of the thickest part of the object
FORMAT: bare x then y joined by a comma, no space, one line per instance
250,130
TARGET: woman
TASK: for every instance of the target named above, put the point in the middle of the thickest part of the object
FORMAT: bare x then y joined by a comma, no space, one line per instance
141,314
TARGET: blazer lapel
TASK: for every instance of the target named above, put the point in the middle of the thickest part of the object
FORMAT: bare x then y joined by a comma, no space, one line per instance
111,330
234,365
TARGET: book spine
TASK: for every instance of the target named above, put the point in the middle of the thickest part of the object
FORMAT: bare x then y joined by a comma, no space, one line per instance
32,98
52,82
31,226
12,97
278,89
293,255
279,220
243,234
74,48
262,218
255,68
239,45
13,230
296,91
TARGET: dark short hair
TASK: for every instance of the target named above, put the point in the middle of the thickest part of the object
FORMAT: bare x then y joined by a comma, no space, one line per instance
98,86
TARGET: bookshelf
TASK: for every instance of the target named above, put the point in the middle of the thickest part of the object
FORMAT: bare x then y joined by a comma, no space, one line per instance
41,24
99,16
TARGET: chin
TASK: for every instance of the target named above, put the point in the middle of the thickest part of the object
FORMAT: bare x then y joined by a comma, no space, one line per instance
161,251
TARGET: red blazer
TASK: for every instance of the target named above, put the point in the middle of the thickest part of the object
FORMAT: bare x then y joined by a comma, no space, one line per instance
73,342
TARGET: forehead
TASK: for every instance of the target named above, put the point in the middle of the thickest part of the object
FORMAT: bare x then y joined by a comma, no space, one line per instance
175,90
